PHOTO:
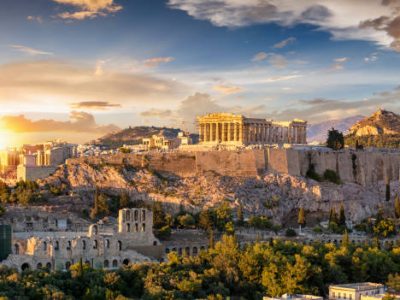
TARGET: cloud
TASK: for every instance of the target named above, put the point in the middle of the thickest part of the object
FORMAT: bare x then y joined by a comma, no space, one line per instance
85,9
371,58
227,89
282,78
79,122
373,20
38,19
97,105
260,56
284,43
30,51
40,84
157,113
338,63
156,61
276,60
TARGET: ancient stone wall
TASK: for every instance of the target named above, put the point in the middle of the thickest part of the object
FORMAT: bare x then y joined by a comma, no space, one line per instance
361,167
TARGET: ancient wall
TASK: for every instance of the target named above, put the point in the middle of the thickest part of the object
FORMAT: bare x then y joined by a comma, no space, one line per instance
33,173
362,167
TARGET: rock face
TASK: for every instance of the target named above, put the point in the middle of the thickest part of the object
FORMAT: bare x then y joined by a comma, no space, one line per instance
382,122
278,196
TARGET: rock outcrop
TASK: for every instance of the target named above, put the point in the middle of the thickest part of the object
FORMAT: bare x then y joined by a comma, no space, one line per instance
382,122
278,196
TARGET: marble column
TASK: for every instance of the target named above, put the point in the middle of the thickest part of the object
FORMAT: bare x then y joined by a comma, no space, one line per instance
217,135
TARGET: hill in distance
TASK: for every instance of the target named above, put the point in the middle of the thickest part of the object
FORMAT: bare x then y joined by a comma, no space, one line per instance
134,135
317,133
381,129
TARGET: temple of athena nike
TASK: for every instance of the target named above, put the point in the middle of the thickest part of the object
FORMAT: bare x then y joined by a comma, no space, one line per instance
232,129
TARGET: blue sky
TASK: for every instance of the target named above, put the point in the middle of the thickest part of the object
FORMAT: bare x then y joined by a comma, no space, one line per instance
99,65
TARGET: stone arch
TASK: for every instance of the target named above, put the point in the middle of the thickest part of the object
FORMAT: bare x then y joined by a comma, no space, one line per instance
67,265
174,249
126,261
16,248
48,266
25,267
180,251
202,248
39,266
115,263
194,251
119,245
106,264
187,251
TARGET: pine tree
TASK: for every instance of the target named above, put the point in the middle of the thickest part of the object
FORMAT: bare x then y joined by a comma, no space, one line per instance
397,206
301,219
335,139
345,239
342,217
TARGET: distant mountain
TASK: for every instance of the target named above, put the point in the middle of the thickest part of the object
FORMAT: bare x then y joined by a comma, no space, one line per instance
134,135
317,133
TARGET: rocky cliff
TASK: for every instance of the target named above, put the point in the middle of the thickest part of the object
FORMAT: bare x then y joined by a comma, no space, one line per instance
278,196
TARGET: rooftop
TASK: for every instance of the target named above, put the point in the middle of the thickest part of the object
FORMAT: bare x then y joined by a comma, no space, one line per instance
359,286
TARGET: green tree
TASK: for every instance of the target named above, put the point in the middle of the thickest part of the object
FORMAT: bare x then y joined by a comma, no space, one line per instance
335,139
186,221
342,216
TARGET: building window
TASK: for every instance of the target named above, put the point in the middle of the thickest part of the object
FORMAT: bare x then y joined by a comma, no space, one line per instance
136,227
39,266
143,227
67,265
115,263
44,246
128,227
16,249
194,251
95,244
136,215
106,264
107,244
57,246
155,243
84,245
143,215
128,215
119,245
69,245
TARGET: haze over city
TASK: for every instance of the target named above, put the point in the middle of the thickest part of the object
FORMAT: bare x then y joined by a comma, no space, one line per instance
91,67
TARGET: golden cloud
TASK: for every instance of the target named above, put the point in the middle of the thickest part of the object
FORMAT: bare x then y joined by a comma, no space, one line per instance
79,122
227,89
36,84
89,8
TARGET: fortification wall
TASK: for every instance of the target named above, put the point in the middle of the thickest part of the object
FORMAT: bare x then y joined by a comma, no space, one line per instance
362,167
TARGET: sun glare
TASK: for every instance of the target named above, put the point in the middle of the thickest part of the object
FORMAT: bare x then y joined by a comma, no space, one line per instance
4,140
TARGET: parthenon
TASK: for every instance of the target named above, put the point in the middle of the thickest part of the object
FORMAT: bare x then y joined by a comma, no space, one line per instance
232,129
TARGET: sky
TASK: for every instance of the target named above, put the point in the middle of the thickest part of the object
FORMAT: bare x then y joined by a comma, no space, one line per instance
78,69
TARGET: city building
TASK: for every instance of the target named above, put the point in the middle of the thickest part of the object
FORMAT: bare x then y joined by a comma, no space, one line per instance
295,297
160,142
231,129
356,291
132,240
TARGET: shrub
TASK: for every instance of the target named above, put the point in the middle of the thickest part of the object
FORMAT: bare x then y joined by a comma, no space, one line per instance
312,174
332,176
290,232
